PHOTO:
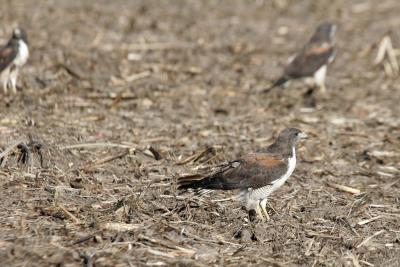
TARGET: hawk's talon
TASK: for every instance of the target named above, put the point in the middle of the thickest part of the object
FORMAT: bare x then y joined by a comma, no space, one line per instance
263,204
260,213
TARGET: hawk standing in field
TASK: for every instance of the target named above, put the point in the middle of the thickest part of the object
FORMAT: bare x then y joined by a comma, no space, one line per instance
257,175
313,58
12,57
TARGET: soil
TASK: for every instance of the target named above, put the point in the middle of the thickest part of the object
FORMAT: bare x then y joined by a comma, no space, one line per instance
119,98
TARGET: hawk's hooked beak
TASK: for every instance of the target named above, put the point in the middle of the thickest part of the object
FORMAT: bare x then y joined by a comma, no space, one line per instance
302,136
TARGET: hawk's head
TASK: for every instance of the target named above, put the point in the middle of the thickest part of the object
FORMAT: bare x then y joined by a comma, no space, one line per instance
19,34
326,31
291,136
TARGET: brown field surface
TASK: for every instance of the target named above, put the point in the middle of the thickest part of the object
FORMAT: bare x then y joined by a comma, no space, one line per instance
119,98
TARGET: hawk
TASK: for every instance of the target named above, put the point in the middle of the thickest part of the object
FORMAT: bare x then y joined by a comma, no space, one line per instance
12,57
256,175
312,59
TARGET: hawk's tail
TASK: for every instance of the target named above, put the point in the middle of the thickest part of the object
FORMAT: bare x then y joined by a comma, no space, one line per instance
194,181
281,81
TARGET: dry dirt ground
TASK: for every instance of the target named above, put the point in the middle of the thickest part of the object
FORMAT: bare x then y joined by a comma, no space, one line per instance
120,97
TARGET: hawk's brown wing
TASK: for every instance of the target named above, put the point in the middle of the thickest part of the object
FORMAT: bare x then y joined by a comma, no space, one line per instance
251,171
7,55
312,57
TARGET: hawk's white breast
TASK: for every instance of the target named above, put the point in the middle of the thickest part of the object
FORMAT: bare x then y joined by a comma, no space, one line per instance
291,165
252,197
319,75
23,54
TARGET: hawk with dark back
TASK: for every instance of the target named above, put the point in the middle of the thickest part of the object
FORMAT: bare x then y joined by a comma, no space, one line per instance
312,59
12,57
256,175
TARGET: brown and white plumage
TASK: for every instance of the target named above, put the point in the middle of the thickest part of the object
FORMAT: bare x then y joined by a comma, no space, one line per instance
7,55
12,57
257,175
312,59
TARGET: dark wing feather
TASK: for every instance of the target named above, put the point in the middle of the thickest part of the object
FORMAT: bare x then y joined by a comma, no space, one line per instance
7,55
251,171
281,81
312,57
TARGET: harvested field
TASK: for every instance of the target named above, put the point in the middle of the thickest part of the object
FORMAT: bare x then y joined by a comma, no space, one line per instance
119,98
